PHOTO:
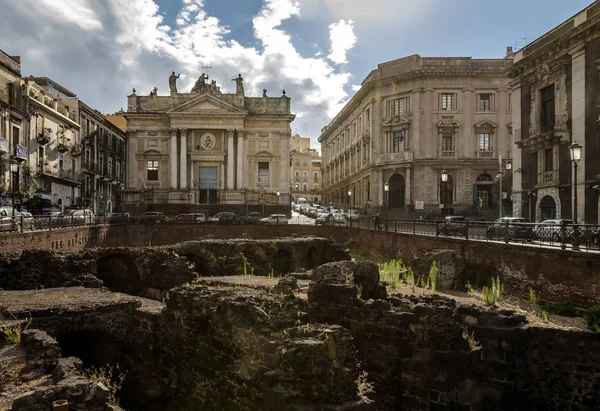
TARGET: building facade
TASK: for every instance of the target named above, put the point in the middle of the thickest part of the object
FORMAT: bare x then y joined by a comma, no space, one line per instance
556,99
103,162
413,118
52,137
206,150
305,170
12,126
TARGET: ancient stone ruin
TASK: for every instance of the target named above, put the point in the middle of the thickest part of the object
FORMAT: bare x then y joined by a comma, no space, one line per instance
283,324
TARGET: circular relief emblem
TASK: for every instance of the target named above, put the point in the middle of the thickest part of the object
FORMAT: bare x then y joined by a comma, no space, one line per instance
207,141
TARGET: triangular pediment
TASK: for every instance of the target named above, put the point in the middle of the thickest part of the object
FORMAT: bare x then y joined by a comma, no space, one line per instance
206,104
486,124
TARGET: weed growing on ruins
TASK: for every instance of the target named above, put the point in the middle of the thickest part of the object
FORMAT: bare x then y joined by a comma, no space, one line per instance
13,334
493,294
592,317
470,339
363,385
470,289
111,378
433,273
390,273
360,254
535,304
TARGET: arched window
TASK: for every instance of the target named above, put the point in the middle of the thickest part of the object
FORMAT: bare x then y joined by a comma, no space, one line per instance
446,191
484,177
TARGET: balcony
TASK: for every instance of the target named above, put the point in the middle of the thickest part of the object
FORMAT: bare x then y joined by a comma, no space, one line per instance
547,178
90,166
447,154
391,158
541,134
43,137
486,154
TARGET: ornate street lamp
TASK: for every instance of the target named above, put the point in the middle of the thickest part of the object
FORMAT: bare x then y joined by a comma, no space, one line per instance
14,172
386,189
278,194
575,152
444,176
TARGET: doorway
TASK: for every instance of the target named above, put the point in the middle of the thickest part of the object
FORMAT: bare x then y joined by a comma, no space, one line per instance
548,208
397,190
207,185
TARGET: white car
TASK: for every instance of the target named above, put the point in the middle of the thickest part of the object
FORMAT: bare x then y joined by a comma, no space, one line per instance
80,217
274,219
339,218
352,215
552,230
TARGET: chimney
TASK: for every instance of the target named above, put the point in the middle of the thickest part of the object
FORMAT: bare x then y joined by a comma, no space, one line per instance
509,52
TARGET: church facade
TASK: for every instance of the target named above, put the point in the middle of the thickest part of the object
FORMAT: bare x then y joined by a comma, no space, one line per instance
207,151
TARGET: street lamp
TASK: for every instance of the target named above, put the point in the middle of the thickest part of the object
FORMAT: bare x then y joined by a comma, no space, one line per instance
575,152
386,189
444,178
278,194
349,196
14,170
508,166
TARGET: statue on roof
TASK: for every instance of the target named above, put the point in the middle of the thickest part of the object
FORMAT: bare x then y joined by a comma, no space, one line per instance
239,84
173,82
200,86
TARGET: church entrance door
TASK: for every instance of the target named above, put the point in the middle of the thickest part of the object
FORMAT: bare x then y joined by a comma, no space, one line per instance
207,185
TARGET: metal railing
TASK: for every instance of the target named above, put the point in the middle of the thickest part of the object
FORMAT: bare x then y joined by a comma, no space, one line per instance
585,237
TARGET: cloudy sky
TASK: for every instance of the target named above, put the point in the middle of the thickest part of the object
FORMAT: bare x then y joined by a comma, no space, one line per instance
319,51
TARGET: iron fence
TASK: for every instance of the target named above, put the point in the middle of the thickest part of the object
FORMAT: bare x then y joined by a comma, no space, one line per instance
570,236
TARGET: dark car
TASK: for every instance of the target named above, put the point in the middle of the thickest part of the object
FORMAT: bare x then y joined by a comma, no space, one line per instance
154,217
518,228
190,218
251,218
453,224
226,217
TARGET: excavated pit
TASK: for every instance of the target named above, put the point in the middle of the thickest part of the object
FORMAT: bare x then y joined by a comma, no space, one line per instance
194,330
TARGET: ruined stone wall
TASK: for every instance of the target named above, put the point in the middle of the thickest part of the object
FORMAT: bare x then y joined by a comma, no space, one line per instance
557,275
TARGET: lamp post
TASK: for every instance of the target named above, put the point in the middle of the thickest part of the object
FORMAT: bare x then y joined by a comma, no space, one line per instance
278,194
508,166
444,178
14,172
349,197
386,189
575,152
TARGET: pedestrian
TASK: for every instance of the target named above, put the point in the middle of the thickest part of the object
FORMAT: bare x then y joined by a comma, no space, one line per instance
377,221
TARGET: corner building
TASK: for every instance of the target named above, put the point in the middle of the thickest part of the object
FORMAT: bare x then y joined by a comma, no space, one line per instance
413,118
556,94
207,151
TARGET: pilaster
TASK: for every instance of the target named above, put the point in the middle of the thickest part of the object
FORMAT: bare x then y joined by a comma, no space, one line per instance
239,182
578,121
230,166
183,159
173,158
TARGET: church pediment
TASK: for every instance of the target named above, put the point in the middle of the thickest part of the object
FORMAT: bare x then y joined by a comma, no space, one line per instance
206,104
486,124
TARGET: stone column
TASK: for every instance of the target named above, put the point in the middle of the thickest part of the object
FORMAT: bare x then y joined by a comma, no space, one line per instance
132,168
517,178
173,158
407,187
183,160
230,154
240,159
578,123
380,187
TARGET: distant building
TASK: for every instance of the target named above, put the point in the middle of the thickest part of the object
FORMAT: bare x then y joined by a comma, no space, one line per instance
556,100
305,170
412,119
208,151
12,126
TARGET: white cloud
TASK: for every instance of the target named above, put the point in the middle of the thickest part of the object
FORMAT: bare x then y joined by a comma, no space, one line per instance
131,46
78,12
342,39
356,87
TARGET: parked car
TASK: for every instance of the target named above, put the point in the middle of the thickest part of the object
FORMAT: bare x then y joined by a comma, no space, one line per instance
225,217
27,220
274,219
552,230
9,219
454,224
80,217
339,218
517,228
251,218
323,218
154,217
189,218
118,217
352,215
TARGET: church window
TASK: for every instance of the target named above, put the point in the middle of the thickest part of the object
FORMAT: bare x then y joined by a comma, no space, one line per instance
485,102
484,141
263,172
152,170
446,143
447,101
398,141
